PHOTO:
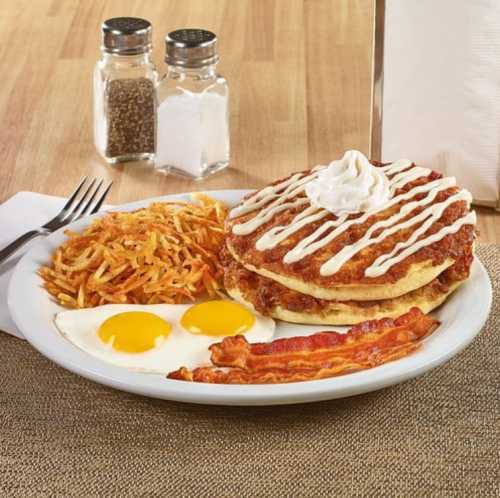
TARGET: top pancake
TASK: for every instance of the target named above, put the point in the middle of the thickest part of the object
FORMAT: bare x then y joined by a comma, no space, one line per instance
350,281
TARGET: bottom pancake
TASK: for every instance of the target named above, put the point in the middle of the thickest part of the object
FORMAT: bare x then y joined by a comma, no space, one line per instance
277,301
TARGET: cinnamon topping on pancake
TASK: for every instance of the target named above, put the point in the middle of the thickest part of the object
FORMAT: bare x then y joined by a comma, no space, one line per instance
278,231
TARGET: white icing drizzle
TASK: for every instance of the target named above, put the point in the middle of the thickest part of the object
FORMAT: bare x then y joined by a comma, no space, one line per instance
396,167
430,215
308,245
405,177
278,234
380,269
262,197
283,196
265,215
277,205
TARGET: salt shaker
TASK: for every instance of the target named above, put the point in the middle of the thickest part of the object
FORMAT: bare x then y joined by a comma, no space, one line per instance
125,81
192,137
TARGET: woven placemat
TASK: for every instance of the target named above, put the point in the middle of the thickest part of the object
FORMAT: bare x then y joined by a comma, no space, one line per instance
439,435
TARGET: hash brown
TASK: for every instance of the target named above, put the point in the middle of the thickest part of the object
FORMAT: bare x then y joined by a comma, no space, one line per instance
167,252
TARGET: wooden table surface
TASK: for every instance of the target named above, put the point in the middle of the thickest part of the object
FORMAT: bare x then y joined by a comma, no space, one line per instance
299,73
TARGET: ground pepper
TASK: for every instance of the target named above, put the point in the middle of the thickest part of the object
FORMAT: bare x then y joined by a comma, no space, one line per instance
130,108
125,79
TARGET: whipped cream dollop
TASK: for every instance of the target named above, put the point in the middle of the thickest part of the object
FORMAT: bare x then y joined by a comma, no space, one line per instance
349,185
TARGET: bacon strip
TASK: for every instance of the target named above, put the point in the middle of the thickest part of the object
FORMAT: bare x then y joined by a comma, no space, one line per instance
215,375
322,355
312,351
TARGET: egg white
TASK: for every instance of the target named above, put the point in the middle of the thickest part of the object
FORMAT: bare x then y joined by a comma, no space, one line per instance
180,348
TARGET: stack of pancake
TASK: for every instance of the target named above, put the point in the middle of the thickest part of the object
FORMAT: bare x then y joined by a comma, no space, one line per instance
296,261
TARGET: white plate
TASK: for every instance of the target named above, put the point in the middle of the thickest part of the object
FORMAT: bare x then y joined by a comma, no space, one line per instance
462,317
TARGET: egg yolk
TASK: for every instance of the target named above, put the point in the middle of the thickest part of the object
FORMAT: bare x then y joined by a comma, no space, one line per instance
134,331
217,318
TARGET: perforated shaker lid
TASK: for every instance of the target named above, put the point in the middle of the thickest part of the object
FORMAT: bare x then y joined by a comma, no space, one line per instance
191,48
126,35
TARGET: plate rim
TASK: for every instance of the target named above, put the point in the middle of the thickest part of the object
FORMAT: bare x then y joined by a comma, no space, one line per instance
222,394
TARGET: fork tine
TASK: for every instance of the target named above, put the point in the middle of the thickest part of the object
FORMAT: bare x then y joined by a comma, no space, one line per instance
74,194
91,200
98,204
76,209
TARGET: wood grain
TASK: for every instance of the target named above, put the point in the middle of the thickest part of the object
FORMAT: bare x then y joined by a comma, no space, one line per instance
299,74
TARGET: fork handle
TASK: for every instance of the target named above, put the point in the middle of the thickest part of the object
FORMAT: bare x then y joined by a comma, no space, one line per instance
18,243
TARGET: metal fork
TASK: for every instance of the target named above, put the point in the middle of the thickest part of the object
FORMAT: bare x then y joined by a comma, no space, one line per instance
77,206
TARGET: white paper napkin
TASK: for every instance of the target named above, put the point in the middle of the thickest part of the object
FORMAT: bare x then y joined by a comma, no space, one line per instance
22,212
442,89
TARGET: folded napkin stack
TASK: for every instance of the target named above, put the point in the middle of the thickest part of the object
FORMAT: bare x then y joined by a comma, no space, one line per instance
441,89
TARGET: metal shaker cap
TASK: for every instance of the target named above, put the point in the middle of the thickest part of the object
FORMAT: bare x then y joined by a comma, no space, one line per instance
126,35
191,48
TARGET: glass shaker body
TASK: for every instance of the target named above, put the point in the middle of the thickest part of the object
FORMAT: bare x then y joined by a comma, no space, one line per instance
193,122
125,80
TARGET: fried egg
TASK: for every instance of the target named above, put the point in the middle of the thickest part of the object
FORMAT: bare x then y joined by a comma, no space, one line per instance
160,338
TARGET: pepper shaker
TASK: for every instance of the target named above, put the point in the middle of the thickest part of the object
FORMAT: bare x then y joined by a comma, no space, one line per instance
125,78
193,111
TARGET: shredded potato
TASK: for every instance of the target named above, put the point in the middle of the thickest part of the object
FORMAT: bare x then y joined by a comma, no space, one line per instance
166,253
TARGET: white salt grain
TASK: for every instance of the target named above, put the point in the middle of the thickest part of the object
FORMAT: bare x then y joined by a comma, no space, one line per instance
193,132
